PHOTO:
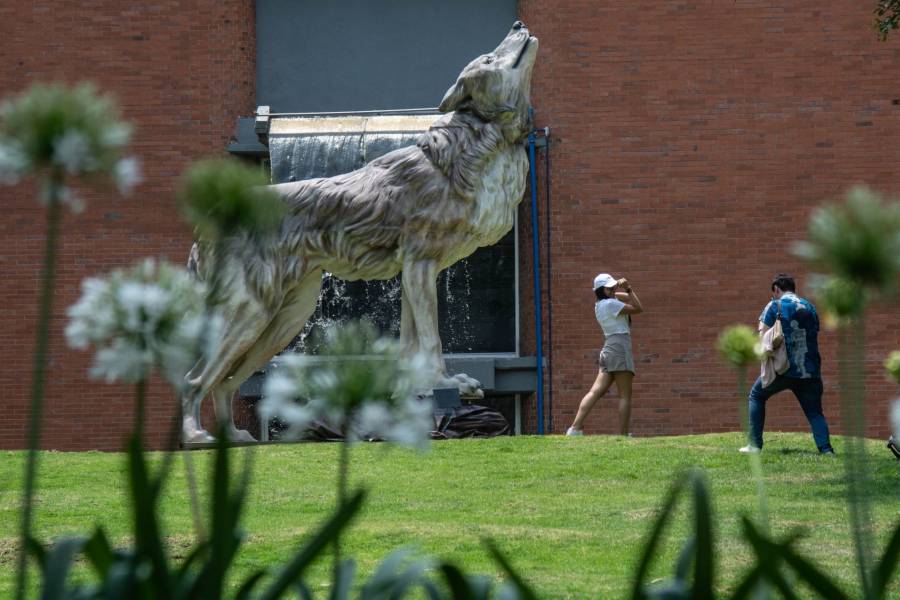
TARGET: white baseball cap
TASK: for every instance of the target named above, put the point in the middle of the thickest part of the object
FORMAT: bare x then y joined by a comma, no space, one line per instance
604,280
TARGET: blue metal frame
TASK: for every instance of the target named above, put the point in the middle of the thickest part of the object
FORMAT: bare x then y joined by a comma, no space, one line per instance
538,310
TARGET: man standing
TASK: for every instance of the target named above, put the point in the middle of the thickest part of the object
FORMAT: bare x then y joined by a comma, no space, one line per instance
803,377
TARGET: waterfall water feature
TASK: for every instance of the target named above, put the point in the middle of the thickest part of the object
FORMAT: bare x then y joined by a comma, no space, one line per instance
476,297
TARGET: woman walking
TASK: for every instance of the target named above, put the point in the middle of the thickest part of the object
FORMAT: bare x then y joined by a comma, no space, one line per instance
616,302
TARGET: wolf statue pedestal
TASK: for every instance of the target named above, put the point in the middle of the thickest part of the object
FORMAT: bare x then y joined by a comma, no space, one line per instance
416,211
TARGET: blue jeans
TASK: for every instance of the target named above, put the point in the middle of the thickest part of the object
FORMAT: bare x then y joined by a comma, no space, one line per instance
808,393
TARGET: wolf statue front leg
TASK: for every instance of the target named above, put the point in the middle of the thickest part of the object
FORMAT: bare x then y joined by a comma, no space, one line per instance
419,327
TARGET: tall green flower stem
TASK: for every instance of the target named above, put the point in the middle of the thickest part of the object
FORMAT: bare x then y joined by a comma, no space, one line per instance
55,131
194,496
858,243
357,380
48,276
742,398
221,197
203,343
140,395
343,474
763,590
851,349
738,346
755,459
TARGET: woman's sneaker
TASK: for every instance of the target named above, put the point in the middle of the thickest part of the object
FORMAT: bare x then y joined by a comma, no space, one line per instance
573,431
749,450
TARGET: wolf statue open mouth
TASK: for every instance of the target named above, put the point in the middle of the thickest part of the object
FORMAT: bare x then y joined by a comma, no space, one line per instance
415,211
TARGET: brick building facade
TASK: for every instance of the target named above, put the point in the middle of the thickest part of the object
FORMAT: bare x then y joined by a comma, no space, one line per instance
689,145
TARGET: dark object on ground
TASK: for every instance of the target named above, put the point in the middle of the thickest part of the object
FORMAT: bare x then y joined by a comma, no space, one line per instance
470,420
894,446
451,422
320,431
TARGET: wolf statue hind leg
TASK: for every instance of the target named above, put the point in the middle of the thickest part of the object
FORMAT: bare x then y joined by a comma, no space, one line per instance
244,322
298,305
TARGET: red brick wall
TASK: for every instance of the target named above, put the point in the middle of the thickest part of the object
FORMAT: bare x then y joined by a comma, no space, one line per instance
183,72
690,144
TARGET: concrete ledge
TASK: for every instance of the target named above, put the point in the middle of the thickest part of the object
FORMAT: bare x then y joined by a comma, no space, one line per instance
245,141
499,374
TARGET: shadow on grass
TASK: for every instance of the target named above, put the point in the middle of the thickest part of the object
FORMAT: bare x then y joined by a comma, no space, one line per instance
790,451
881,481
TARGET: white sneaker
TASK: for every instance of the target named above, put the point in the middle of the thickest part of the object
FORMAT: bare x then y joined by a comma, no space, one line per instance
749,450
573,431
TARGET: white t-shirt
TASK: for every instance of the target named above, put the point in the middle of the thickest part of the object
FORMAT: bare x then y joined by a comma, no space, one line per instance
608,315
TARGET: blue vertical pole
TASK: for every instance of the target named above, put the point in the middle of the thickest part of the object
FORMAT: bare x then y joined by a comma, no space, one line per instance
538,326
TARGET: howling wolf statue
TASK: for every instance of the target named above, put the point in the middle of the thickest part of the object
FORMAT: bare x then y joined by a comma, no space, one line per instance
416,211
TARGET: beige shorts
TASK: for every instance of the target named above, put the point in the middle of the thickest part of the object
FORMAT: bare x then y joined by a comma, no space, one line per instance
616,354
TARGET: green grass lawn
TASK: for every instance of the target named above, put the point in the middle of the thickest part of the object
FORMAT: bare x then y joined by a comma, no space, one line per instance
571,513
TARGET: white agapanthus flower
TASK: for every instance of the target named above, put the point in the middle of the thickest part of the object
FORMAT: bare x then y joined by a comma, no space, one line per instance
13,163
115,135
73,152
408,422
148,317
361,385
83,132
895,418
127,174
64,194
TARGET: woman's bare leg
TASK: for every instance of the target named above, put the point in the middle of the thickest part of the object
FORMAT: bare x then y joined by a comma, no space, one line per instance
600,387
623,384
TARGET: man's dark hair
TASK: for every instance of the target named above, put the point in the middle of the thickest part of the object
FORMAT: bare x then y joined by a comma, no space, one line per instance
784,282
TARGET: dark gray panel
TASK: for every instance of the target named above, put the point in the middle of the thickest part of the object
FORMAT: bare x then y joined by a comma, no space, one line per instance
339,55
498,375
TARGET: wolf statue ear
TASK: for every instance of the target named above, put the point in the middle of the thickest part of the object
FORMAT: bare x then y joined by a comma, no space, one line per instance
454,96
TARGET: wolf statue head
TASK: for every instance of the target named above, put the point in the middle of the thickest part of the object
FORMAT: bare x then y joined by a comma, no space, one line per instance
496,87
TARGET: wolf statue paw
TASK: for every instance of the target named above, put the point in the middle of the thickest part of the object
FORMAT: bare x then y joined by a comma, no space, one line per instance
468,387
240,435
191,434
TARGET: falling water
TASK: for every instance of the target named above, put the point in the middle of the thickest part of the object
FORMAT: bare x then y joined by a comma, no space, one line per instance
476,297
